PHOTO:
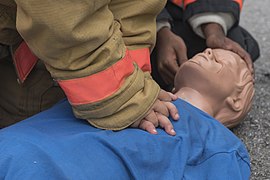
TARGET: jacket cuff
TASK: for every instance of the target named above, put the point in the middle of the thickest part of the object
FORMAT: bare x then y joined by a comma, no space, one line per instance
127,105
225,20
162,24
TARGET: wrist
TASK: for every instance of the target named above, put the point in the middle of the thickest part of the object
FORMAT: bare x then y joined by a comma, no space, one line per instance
164,30
212,29
164,33
163,24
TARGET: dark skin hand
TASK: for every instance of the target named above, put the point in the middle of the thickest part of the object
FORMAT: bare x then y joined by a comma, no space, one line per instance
215,38
171,53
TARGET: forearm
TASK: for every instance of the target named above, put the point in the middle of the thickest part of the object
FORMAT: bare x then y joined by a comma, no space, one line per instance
211,29
102,82
224,20
138,21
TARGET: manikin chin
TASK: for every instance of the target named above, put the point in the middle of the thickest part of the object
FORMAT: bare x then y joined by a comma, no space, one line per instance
218,82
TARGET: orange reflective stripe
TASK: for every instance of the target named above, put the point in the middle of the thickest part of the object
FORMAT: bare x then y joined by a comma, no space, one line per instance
240,2
178,2
24,61
187,2
142,58
100,85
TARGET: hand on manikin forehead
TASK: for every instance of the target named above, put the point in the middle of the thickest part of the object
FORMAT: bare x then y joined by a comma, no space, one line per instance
218,82
214,70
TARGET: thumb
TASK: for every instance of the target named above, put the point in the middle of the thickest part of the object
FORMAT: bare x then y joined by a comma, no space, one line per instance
181,54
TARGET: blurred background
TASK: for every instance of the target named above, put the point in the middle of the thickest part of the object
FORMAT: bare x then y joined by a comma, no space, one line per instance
255,130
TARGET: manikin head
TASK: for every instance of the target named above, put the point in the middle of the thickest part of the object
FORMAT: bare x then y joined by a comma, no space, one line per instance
218,82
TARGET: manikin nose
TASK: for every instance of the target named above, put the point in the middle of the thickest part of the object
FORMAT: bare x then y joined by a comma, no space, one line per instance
209,52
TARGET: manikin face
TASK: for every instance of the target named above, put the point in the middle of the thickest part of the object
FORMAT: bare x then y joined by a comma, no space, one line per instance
212,73
224,81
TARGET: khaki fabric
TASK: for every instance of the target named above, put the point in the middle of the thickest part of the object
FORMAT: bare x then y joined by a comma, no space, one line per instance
113,113
80,38
138,21
39,92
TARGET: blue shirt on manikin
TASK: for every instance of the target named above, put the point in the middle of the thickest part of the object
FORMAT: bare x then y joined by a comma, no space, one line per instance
55,145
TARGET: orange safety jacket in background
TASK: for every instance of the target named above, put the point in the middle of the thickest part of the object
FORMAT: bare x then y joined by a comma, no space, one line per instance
193,7
185,3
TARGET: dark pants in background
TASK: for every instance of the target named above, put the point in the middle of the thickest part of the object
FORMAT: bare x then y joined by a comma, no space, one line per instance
37,93
19,101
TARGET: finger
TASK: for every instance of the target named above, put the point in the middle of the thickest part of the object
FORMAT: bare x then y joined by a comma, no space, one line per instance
248,61
148,126
181,51
173,96
167,76
166,73
161,108
166,96
152,117
173,111
245,56
235,47
173,65
168,69
250,64
181,56
166,124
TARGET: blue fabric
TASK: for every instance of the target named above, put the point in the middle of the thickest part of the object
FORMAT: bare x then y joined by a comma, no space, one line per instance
56,145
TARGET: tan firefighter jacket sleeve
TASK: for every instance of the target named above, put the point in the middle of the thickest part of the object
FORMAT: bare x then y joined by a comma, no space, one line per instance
98,51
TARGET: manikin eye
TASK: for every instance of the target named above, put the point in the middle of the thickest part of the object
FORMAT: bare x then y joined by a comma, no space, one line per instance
217,60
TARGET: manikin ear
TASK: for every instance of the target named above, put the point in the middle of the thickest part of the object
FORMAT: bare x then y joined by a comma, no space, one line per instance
235,103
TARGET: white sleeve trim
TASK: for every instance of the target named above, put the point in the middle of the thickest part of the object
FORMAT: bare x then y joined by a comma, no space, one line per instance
226,20
162,24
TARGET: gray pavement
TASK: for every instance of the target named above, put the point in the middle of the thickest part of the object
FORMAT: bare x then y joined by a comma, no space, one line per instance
255,130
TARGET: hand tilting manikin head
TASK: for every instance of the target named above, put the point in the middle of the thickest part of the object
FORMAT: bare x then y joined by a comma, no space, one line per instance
218,82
